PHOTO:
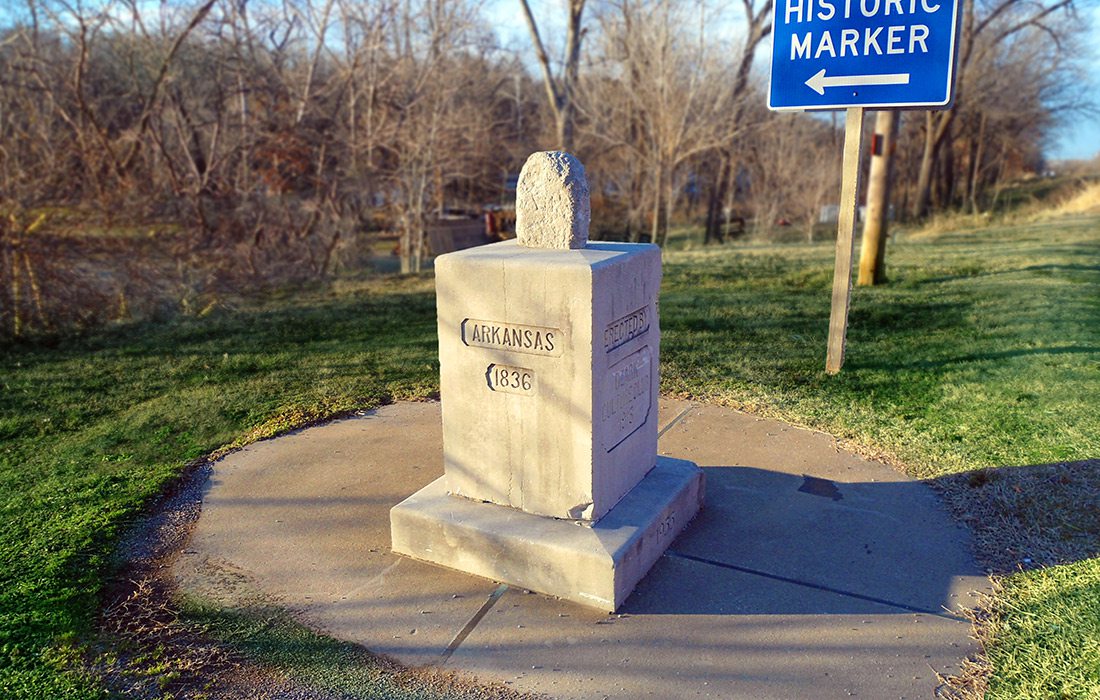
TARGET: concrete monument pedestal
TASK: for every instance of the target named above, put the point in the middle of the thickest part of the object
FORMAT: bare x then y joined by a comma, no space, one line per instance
549,353
596,565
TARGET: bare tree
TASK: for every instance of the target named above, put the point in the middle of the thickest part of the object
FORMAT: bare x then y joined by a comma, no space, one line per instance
723,161
272,137
561,87
663,98
794,165
986,26
440,100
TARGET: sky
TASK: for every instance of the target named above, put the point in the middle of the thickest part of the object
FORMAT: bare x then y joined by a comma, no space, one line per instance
1077,139
1081,139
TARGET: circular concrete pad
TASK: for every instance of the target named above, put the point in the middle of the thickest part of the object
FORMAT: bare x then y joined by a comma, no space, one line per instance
810,573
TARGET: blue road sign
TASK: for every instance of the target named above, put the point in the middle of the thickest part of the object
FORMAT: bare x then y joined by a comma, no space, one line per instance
834,54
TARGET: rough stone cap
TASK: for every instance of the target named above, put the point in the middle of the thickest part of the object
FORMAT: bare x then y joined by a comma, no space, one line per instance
552,204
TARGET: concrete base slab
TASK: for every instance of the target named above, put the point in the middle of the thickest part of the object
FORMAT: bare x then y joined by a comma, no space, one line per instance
810,573
596,565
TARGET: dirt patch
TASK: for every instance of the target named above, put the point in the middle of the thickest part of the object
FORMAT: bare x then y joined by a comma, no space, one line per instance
152,652
148,649
1028,517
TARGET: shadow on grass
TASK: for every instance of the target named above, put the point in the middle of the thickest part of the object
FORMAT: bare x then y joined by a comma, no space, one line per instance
1051,268
992,356
1029,517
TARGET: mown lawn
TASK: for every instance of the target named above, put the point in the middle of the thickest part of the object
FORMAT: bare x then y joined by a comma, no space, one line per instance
93,428
982,352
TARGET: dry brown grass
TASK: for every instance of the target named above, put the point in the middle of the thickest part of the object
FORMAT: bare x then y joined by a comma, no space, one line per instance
1029,517
1083,201
950,222
1067,199
972,680
65,270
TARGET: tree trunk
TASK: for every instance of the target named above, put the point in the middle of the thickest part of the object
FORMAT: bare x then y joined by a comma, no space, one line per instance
406,247
655,226
567,110
714,232
936,126
976,165
636,204
924,176
559,90
949,180
670,201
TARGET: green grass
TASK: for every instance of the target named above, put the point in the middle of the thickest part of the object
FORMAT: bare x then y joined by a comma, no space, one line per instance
982,352
984,349
91,429
1045,639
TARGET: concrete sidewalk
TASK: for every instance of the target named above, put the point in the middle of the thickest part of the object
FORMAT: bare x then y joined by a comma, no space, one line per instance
810,573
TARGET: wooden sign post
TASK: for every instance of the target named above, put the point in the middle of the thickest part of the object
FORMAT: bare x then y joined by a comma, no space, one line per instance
827,57
845,238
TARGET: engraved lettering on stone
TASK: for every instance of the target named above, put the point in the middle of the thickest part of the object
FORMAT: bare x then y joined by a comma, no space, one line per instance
532,340
625,408
667,525
621,331
511,380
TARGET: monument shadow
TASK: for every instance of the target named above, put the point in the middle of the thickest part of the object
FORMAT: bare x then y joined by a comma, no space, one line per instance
774,543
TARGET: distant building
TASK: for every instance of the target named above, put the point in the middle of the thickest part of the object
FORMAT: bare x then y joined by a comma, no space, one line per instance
830,213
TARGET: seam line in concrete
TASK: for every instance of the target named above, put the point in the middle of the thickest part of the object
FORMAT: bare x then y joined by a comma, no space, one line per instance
469,626
817,586
675,420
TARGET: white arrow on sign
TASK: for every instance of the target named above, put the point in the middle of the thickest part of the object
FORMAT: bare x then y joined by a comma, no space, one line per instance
818,82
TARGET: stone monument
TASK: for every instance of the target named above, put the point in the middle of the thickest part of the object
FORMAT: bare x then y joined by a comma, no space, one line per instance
549,348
